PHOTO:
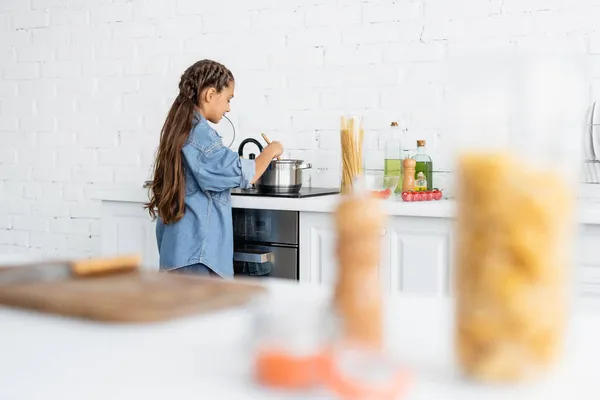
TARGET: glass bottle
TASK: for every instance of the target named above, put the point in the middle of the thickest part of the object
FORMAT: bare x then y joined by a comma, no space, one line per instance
393,155
423,168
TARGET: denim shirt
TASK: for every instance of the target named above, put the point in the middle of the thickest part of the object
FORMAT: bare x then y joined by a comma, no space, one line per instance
205,233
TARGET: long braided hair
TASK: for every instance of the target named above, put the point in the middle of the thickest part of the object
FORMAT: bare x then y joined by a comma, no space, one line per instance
167,192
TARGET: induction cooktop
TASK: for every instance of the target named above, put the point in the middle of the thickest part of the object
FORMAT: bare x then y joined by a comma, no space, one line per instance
304,192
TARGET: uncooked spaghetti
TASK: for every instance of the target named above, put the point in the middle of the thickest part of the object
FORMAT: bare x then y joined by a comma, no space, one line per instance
351,135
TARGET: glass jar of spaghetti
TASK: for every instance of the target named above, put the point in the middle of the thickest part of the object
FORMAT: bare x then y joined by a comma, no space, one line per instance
516,188
351,136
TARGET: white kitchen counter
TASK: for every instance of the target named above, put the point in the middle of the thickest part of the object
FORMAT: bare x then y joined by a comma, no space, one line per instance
589,209
417,248
205,357
319,204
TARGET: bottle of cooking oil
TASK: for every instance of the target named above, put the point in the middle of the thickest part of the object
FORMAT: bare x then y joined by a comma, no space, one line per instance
423,169
393,155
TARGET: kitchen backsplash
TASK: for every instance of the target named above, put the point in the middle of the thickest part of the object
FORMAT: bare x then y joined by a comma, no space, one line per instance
86,85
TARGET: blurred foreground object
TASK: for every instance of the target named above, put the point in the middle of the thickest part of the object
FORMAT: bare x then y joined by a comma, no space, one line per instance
359,222
64,269
116,290
289,344
518,123
359,366
337,345
511,266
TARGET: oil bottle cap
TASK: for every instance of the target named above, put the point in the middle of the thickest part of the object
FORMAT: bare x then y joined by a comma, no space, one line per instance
394,123
420,143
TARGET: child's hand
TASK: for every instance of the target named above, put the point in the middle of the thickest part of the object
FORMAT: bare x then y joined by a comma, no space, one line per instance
275,148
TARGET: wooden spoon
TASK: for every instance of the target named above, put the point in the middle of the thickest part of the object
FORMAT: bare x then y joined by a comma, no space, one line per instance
269,142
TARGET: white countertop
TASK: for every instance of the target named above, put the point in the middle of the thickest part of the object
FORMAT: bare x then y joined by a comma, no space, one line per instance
206,357
440,209
589,208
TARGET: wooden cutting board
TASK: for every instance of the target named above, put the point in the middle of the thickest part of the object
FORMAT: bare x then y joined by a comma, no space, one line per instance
134,297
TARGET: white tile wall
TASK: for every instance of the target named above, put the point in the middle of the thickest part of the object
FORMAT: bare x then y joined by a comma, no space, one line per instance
85,85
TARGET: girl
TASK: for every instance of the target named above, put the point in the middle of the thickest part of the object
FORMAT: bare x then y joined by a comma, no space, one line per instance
194,172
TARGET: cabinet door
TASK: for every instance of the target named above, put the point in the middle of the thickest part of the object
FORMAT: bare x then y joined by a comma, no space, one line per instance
318,261
127,229
420,255
587,256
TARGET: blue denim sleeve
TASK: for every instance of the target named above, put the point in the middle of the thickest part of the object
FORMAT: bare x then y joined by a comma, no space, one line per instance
248,171
219,168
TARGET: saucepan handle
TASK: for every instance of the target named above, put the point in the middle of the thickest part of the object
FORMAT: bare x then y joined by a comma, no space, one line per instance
304,166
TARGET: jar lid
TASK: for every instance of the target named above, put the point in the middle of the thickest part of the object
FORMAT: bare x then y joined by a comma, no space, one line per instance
421,143
394,123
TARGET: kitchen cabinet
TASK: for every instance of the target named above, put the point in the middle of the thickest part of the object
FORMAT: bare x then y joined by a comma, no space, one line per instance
128,229
415,253
318,263
587,276
420,255
317,248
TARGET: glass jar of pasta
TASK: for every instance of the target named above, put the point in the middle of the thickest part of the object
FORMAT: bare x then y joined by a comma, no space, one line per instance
516,189
352,135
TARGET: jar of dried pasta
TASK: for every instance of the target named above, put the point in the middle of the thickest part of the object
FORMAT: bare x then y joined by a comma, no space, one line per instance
515,219
351,138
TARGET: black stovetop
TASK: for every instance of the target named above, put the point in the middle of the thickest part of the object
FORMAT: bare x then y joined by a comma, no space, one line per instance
304,192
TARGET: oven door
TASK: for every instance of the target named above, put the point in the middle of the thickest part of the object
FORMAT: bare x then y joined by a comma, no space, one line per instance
266,261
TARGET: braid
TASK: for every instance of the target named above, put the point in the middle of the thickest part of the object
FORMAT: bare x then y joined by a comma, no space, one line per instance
201,75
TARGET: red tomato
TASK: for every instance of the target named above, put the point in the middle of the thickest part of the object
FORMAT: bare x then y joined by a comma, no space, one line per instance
437,194
429,195
417,196
407,196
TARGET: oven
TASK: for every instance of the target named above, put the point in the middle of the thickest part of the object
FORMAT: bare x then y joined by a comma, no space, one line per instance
265,243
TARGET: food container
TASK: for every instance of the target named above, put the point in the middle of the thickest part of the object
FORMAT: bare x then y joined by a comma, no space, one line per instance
380,185
304,352
359,372
352,135
282,176
289,344
517,163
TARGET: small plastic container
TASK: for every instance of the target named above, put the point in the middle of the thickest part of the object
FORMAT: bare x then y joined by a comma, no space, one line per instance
289,344
380,185
359,372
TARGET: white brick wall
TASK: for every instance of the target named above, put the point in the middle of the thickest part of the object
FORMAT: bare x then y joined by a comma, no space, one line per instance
85,85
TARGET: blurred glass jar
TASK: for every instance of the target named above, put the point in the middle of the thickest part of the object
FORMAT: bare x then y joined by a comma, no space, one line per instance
517,163
300,348
289,344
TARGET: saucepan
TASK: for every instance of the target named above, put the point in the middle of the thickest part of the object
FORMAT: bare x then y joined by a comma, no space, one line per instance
282,175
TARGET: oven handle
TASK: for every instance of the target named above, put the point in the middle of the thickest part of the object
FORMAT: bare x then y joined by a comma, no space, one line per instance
259,257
